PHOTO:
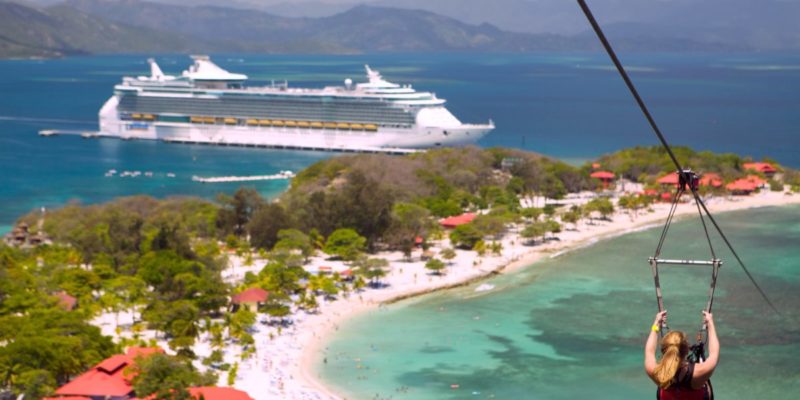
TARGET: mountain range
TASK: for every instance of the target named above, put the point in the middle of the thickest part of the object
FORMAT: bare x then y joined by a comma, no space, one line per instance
136,26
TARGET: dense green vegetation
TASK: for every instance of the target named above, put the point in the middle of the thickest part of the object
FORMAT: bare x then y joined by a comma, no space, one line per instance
43,344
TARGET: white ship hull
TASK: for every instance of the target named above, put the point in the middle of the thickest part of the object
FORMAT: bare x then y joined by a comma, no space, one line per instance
384,139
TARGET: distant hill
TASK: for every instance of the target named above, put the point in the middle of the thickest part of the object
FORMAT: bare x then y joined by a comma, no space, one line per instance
60,30
360,29
641,24
134,26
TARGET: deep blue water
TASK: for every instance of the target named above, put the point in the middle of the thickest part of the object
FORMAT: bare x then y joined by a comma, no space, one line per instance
572,106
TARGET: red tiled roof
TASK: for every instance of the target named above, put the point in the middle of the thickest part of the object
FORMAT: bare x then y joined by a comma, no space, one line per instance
347,272
98,382
760,167
68,398
214,393
595,165
66,301
711,179
602,175
741,185
218,393
454,221
106,379
113,363
671,179
252,295
666,196
418,240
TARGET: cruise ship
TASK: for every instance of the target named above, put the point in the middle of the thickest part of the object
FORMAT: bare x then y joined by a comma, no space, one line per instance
207,104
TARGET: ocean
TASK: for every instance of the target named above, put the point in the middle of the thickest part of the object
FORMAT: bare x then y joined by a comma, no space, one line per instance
571,106
574,326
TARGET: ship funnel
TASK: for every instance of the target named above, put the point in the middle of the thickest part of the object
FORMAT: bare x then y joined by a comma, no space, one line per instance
155,70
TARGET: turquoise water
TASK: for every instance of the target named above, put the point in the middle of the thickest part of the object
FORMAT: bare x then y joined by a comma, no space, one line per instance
566,105
574,326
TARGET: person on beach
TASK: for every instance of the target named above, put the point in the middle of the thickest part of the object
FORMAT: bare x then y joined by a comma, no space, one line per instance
676,377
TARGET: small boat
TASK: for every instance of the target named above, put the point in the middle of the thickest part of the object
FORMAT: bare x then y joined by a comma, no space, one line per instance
170,175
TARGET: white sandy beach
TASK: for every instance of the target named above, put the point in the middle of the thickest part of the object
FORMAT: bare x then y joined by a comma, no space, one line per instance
284,364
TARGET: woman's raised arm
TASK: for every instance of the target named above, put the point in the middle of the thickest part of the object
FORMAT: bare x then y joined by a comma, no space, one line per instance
703,370
652,342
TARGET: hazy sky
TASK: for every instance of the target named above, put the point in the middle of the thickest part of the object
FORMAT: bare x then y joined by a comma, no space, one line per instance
557,16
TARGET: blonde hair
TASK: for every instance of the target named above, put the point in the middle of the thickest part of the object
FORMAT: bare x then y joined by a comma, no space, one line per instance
674,348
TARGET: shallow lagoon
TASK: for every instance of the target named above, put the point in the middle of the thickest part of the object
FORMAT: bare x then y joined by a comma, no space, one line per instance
574,326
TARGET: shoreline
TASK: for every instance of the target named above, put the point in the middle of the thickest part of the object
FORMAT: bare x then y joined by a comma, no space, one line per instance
284,365
333,314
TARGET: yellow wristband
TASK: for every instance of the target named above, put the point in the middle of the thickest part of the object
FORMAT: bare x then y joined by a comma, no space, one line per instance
655,328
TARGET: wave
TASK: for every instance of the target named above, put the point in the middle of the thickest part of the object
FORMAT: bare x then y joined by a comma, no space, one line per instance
767,67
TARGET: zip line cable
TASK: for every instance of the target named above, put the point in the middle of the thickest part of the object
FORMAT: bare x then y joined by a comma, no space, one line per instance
684,173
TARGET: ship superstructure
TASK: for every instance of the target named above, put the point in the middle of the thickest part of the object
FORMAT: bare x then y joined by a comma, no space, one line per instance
207,104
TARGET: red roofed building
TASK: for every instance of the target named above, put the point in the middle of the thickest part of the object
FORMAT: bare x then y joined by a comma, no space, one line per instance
346,274
454,221
106,381
711,179
741,187
604,176
250,298
765,168
66,301
214,393
668,180
218,393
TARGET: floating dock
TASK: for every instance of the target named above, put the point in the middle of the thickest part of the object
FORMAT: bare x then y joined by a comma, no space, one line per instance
222,179
299,147
59,132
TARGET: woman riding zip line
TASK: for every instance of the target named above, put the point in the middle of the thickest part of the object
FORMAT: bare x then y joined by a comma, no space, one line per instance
678,378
